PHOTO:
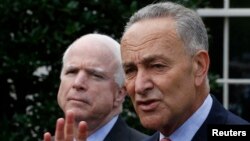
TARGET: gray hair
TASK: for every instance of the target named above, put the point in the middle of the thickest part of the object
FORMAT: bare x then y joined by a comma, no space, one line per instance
113,47
189,25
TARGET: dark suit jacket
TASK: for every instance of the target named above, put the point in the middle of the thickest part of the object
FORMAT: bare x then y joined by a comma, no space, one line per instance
217,115
122,132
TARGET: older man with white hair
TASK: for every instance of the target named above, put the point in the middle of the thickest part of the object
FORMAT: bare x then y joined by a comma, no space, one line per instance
91,93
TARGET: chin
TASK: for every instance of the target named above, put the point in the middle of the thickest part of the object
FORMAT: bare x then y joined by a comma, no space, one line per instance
78,112
151,122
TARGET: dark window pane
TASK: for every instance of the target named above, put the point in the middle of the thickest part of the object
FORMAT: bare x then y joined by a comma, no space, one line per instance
239,66
239,3
239,101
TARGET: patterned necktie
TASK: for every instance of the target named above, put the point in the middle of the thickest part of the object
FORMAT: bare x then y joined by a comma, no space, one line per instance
165,139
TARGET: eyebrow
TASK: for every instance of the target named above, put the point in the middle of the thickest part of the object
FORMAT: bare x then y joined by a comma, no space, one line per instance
90,69
100,71
96,70
67,67
146,60
150,59
127,64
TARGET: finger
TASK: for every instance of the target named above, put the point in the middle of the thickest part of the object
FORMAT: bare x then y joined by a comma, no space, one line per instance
47,136
59,134
69,126
82,131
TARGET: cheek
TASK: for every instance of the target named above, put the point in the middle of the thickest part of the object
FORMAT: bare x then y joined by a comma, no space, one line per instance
181,85
61,95
102,94
101,103
172,86
130,87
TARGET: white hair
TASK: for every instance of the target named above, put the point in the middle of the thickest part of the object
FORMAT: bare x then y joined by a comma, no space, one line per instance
113,47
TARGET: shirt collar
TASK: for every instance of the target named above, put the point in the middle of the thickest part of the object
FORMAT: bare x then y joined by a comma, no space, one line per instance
187,130
102,132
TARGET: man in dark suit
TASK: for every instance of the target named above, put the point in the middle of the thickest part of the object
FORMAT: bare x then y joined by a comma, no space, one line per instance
165,58
92,92
122,132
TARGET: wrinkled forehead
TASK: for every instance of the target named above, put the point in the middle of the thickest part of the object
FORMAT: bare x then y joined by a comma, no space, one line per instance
148,32
91,47
148,29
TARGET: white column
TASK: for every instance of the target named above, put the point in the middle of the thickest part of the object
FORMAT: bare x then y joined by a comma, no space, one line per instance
226,57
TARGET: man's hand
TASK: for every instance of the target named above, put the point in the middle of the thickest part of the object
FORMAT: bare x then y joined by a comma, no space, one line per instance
65,129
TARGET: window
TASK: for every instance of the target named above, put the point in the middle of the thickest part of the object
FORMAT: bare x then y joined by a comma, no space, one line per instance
230,53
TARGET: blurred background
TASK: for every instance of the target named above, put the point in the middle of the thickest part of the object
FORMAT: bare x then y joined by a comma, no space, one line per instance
35,33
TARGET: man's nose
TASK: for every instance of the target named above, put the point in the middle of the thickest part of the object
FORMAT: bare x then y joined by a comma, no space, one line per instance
143,82
80,82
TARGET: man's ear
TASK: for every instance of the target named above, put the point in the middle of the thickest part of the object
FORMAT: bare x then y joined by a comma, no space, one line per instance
120,97
201,63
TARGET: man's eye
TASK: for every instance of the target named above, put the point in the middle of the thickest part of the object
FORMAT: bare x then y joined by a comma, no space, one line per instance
159,66
97,75
70,72
130,72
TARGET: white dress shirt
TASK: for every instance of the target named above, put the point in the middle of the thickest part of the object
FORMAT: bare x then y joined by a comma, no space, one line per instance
102,132
187,130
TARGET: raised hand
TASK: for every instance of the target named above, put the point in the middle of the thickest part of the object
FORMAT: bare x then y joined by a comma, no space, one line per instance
65,130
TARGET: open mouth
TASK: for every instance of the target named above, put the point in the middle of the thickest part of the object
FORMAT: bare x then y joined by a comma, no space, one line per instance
148,105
